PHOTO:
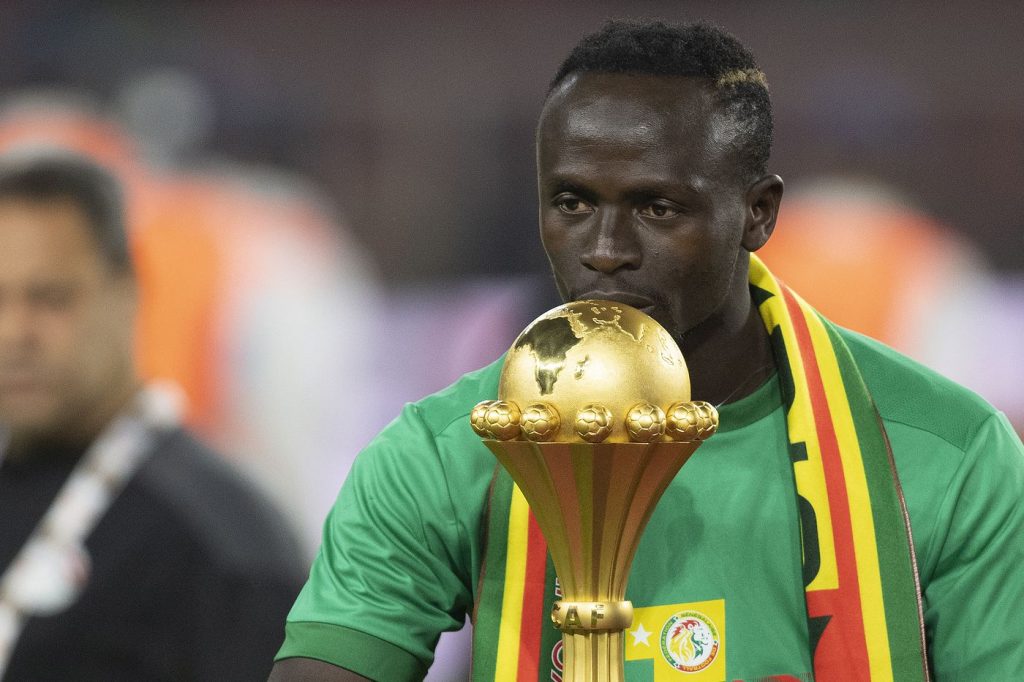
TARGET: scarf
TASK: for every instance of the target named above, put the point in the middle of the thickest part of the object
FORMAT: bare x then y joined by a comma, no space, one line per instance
860,578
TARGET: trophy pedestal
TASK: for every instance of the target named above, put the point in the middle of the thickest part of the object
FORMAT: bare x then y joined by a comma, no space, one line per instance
592,502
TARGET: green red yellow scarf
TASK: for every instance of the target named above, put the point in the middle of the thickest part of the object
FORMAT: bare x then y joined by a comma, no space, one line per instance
860,576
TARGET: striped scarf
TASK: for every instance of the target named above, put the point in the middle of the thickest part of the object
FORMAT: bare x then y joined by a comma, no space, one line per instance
859,571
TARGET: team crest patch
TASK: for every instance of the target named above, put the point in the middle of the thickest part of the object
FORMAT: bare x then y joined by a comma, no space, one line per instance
689,641
683,642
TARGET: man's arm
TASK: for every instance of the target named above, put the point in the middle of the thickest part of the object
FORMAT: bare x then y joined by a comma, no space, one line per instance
973,595
310,670
395,567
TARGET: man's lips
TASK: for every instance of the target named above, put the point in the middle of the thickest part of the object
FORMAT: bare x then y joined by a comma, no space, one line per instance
635,300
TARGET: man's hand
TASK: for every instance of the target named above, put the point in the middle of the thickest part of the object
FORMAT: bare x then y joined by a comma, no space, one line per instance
310,670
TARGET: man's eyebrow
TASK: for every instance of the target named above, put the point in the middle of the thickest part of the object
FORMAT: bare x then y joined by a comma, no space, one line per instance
659,189
650,188
645,191
560,185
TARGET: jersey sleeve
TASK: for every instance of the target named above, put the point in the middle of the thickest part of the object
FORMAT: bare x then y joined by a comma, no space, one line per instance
388,579
974,595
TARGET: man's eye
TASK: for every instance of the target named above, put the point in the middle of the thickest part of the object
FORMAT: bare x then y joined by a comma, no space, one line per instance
572,205
659,210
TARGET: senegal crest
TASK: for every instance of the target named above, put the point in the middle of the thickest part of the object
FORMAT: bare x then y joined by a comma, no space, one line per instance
689,641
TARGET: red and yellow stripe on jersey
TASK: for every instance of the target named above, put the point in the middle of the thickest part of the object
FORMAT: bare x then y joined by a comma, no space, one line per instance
510,641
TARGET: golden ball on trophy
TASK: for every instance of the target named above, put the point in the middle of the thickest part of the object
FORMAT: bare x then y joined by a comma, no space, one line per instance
645,423
540,422
690,422
478,418
593,422
501,419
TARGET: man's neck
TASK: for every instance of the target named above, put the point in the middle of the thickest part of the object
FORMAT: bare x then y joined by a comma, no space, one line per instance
113,403
728,362
73,435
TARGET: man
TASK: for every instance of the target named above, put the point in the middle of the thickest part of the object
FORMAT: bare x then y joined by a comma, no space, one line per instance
782,544
128,551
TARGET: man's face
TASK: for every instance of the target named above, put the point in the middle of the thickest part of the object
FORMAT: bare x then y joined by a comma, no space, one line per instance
640,199
65,320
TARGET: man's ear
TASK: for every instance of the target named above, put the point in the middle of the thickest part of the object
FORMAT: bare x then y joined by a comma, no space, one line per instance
763,199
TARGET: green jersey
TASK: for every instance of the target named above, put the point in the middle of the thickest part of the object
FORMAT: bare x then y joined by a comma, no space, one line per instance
403,546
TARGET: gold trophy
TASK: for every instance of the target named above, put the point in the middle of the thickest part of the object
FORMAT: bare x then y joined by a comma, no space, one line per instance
593,422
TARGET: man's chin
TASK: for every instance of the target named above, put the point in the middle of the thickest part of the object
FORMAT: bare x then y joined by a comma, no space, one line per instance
29,418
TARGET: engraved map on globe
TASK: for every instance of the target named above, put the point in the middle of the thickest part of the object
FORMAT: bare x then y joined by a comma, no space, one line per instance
549,340
588,351
600,371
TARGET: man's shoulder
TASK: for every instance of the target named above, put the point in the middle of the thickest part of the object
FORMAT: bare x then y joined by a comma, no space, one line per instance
211,503
441,410
908,393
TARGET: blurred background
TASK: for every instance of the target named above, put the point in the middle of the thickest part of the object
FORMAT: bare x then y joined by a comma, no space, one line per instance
334,210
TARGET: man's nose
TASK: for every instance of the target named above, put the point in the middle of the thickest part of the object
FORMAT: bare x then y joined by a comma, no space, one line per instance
613,243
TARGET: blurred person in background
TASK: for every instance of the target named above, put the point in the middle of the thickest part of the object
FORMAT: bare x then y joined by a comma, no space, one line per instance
128,550
270,264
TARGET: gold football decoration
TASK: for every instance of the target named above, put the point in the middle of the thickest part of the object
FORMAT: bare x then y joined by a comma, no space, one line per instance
689,422
594,423
540,422
645,422
478,418
501,419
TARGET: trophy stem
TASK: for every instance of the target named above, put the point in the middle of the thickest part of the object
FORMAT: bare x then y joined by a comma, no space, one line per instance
593,656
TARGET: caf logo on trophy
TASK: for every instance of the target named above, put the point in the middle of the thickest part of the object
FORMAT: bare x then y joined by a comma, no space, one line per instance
593,420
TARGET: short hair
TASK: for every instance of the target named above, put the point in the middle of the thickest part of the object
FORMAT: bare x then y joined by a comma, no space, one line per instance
698,50
50,175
